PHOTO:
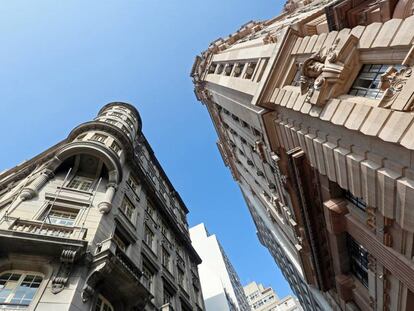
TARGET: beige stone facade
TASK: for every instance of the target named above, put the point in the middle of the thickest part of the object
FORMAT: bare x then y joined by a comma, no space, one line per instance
314,112
93,223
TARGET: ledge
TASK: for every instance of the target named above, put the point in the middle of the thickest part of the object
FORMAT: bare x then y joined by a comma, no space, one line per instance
26,237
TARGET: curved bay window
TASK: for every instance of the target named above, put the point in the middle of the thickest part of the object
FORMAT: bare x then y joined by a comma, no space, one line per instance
18,288
358,259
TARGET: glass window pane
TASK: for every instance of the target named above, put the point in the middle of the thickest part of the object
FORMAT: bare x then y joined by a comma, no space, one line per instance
368,80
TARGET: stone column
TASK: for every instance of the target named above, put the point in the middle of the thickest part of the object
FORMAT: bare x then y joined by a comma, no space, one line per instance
106,205
33,189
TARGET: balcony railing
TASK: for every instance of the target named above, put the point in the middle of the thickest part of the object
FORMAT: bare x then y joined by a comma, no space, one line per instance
128,264
39,228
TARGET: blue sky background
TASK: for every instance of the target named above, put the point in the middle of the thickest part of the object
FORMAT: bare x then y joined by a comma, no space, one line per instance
60,61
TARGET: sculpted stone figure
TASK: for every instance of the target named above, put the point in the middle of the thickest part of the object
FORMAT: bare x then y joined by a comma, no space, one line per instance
311,69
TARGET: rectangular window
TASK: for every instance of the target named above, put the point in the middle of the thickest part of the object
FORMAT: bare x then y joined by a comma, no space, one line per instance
164,229
228,69
239,69
166,259
111,121
148,236
128,208
115,147
147,278
61,217
150,209
358,202
212,68
80,183
358,256
220,69
250,70
120,241
368,80
99,137
133,183
168,297
117,114
18,289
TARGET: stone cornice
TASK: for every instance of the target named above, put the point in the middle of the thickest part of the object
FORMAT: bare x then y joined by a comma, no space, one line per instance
108,128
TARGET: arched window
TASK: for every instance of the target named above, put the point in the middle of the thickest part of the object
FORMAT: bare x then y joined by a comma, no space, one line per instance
18,288
102,304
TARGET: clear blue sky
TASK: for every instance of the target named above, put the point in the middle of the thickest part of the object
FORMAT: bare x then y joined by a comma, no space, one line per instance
60,61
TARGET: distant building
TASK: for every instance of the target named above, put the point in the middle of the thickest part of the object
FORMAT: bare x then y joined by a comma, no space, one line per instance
266,299
220,284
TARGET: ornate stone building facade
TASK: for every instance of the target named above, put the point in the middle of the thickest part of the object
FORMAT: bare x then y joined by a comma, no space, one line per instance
314,113
93,223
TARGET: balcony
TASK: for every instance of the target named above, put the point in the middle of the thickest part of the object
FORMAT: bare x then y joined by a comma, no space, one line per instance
13,307
35,237
117,275
39,228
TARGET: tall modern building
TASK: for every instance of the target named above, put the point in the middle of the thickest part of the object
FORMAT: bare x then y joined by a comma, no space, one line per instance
220,283
93,223
262,298
314,113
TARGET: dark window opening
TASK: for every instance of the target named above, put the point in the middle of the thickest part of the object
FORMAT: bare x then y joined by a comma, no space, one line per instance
358,202
358,257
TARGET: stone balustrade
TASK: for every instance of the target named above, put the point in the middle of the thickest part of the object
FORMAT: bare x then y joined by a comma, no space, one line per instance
37,227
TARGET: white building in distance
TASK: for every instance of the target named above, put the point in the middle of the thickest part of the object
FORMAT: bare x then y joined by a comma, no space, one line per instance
266,299
220,284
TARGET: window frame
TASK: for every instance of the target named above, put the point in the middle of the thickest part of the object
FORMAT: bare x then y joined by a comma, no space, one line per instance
150,278
358,260
63,210
83,180
363,75
166,254
22,276
105,302
152,235
101,138
132,217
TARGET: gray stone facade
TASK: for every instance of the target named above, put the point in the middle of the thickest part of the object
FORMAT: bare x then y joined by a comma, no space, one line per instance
94,223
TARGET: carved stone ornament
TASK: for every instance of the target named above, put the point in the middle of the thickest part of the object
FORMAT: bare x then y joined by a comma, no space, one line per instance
392,82
67,259
324,74
269,38
94,277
